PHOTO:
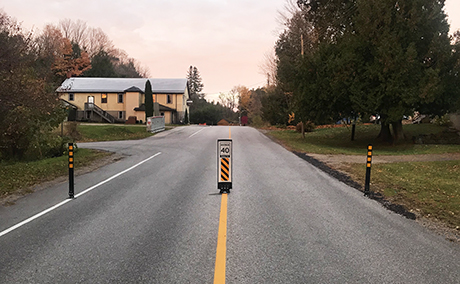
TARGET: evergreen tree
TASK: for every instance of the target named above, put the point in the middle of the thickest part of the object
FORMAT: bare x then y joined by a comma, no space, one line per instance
372,57
208,113
195,84
405,46
186,120
101,66
148,100
275,108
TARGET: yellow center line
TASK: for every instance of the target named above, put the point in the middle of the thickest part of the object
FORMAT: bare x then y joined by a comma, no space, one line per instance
221,251
219,270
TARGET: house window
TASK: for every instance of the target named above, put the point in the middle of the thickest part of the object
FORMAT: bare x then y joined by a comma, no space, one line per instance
169,101
120,98
71,96
120,115
104,98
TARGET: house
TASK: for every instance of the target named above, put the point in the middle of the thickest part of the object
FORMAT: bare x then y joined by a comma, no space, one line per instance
117,99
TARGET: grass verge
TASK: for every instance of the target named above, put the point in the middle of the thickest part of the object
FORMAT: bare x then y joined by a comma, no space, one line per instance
431,189
20,175
17,176
92,133
338,141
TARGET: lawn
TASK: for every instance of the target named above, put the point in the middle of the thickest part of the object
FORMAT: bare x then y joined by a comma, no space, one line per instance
91,133
338,141
430,188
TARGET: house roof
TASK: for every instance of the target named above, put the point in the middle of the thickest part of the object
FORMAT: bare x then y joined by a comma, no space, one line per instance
120,85
223,121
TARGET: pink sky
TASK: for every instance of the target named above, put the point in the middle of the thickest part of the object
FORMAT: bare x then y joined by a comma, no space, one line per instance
226,40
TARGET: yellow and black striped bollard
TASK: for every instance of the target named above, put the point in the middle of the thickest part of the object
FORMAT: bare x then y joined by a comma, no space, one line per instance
71,172
368,170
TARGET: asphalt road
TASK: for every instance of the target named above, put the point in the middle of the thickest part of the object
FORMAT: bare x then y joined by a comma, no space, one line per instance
153,217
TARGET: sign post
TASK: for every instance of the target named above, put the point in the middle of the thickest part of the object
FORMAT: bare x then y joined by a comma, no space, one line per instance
224,168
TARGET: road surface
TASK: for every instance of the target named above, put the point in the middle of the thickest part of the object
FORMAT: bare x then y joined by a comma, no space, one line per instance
154,217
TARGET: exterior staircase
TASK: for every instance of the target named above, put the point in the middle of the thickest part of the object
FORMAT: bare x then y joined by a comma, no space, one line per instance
92,107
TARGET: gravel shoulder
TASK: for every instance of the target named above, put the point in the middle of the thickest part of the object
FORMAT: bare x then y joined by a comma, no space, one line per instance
356,159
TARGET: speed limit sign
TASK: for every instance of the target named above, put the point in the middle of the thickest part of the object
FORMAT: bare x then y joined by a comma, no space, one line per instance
224,168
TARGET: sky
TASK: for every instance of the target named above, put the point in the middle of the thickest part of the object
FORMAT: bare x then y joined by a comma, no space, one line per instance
225,39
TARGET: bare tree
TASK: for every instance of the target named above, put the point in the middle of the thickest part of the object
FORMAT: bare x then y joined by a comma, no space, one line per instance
97,41
80,35
290,9
230,99
75,31
142,70
66,27
49,42
268,67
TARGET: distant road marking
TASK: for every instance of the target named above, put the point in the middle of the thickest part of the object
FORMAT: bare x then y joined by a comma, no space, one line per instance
219,269
68,200
196,132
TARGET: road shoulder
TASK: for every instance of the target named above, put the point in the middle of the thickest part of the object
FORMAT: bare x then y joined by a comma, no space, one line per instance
335,166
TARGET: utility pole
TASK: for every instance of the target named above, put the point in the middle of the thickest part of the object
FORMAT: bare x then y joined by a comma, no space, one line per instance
301,44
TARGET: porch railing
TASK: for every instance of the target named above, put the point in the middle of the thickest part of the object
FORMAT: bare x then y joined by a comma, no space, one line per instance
102,113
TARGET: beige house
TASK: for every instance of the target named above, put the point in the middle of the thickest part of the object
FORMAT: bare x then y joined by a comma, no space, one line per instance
117,99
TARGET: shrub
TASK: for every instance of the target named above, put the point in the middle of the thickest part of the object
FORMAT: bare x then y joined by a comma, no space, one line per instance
47,145
257,121
71,130
442,121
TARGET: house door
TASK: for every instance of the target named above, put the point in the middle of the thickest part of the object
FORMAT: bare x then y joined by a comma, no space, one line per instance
89,106
90,102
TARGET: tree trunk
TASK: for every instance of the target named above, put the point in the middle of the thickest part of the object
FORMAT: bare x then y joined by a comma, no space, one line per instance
398,133
385,134
353,130
303,129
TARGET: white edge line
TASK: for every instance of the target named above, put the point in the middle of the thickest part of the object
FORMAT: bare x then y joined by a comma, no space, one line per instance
196,132
33,218
36,216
